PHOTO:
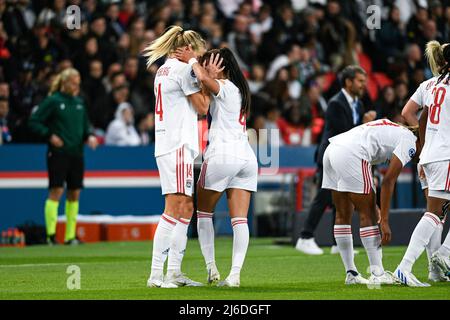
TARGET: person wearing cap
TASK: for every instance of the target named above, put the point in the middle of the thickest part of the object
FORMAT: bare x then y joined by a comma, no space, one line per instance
62,120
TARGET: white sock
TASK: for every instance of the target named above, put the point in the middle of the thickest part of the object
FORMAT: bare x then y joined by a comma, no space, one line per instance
161,244
344,241
444,250
371,240
419,240
435,241
205,229
178,244
241,238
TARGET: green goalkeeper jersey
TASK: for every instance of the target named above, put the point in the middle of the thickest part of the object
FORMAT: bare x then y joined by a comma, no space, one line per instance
65,116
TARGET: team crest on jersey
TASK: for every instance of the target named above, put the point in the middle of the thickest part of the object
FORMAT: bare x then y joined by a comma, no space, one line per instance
188,183
412,152
62,106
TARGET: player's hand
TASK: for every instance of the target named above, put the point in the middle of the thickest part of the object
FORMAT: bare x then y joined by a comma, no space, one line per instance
56,141
184,54
385,232
214,66
421,173
92,142
369,116
378,214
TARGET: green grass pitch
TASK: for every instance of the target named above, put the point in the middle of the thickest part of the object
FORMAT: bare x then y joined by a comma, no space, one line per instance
120,270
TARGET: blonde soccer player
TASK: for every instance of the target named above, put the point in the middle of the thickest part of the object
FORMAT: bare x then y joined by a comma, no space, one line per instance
178,102
411,112
347,172
230,164
434,124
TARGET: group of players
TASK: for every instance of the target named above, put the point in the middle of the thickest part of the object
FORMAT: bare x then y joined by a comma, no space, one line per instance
347,172
192,81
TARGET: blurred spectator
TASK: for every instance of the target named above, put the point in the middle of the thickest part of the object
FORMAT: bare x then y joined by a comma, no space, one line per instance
146,128
105,109
386,106
5,135
256,81
295,125
272,125
93,89
121,131
241,43
292,56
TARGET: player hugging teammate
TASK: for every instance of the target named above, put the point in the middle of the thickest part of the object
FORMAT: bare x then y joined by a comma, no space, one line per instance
183,89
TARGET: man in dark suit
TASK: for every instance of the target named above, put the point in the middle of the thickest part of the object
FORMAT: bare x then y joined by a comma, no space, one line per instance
344,112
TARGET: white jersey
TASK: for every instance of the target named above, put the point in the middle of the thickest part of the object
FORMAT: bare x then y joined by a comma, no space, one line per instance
378,140
227,132
422,95
437,134
175,117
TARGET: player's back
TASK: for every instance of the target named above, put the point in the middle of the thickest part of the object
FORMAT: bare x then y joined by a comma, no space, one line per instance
437,136
227,126
377,140
175,117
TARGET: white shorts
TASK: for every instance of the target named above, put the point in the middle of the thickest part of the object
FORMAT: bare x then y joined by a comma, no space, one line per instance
423,181
221,172
176,171
346,172
438,177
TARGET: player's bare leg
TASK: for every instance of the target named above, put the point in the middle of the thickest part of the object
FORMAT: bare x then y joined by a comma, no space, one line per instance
238,203
206,203
365,205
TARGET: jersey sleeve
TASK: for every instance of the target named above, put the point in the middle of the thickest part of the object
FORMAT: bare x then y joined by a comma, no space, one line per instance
188,81
418,96
405,150
38,122
222,90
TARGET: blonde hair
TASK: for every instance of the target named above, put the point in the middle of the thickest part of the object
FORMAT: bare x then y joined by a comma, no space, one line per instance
174,37
434,52
62,77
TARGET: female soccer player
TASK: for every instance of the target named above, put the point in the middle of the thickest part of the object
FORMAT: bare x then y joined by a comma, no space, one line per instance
178,101
230,164
410,112
347,172
435,160
62,119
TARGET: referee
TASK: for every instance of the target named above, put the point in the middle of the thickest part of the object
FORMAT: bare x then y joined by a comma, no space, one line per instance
62,120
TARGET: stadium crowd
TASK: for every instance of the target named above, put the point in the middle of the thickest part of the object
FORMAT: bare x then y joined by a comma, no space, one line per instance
289,50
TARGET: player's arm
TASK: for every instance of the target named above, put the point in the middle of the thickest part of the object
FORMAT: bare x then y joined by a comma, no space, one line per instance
387,189
39,119
423,126
206,77
409,112
200,101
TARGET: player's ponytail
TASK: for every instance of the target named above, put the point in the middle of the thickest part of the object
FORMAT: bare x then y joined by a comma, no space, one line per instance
61,78
438,57
174,37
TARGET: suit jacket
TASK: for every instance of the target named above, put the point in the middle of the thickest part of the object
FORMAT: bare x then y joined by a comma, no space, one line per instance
338,119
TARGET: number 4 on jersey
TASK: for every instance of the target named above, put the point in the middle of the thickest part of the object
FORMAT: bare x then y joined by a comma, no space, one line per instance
159,106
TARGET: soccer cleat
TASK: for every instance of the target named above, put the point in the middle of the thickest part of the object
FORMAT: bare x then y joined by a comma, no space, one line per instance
179,280
154,283
355,279
386,278
232,281
213,274
308,246
335,250
51,240
407,278
440,263
73,242
436,275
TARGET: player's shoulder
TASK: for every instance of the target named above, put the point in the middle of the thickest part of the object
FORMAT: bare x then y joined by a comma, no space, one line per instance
429,83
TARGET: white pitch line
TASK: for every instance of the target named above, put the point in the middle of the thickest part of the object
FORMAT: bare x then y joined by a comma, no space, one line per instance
56,264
